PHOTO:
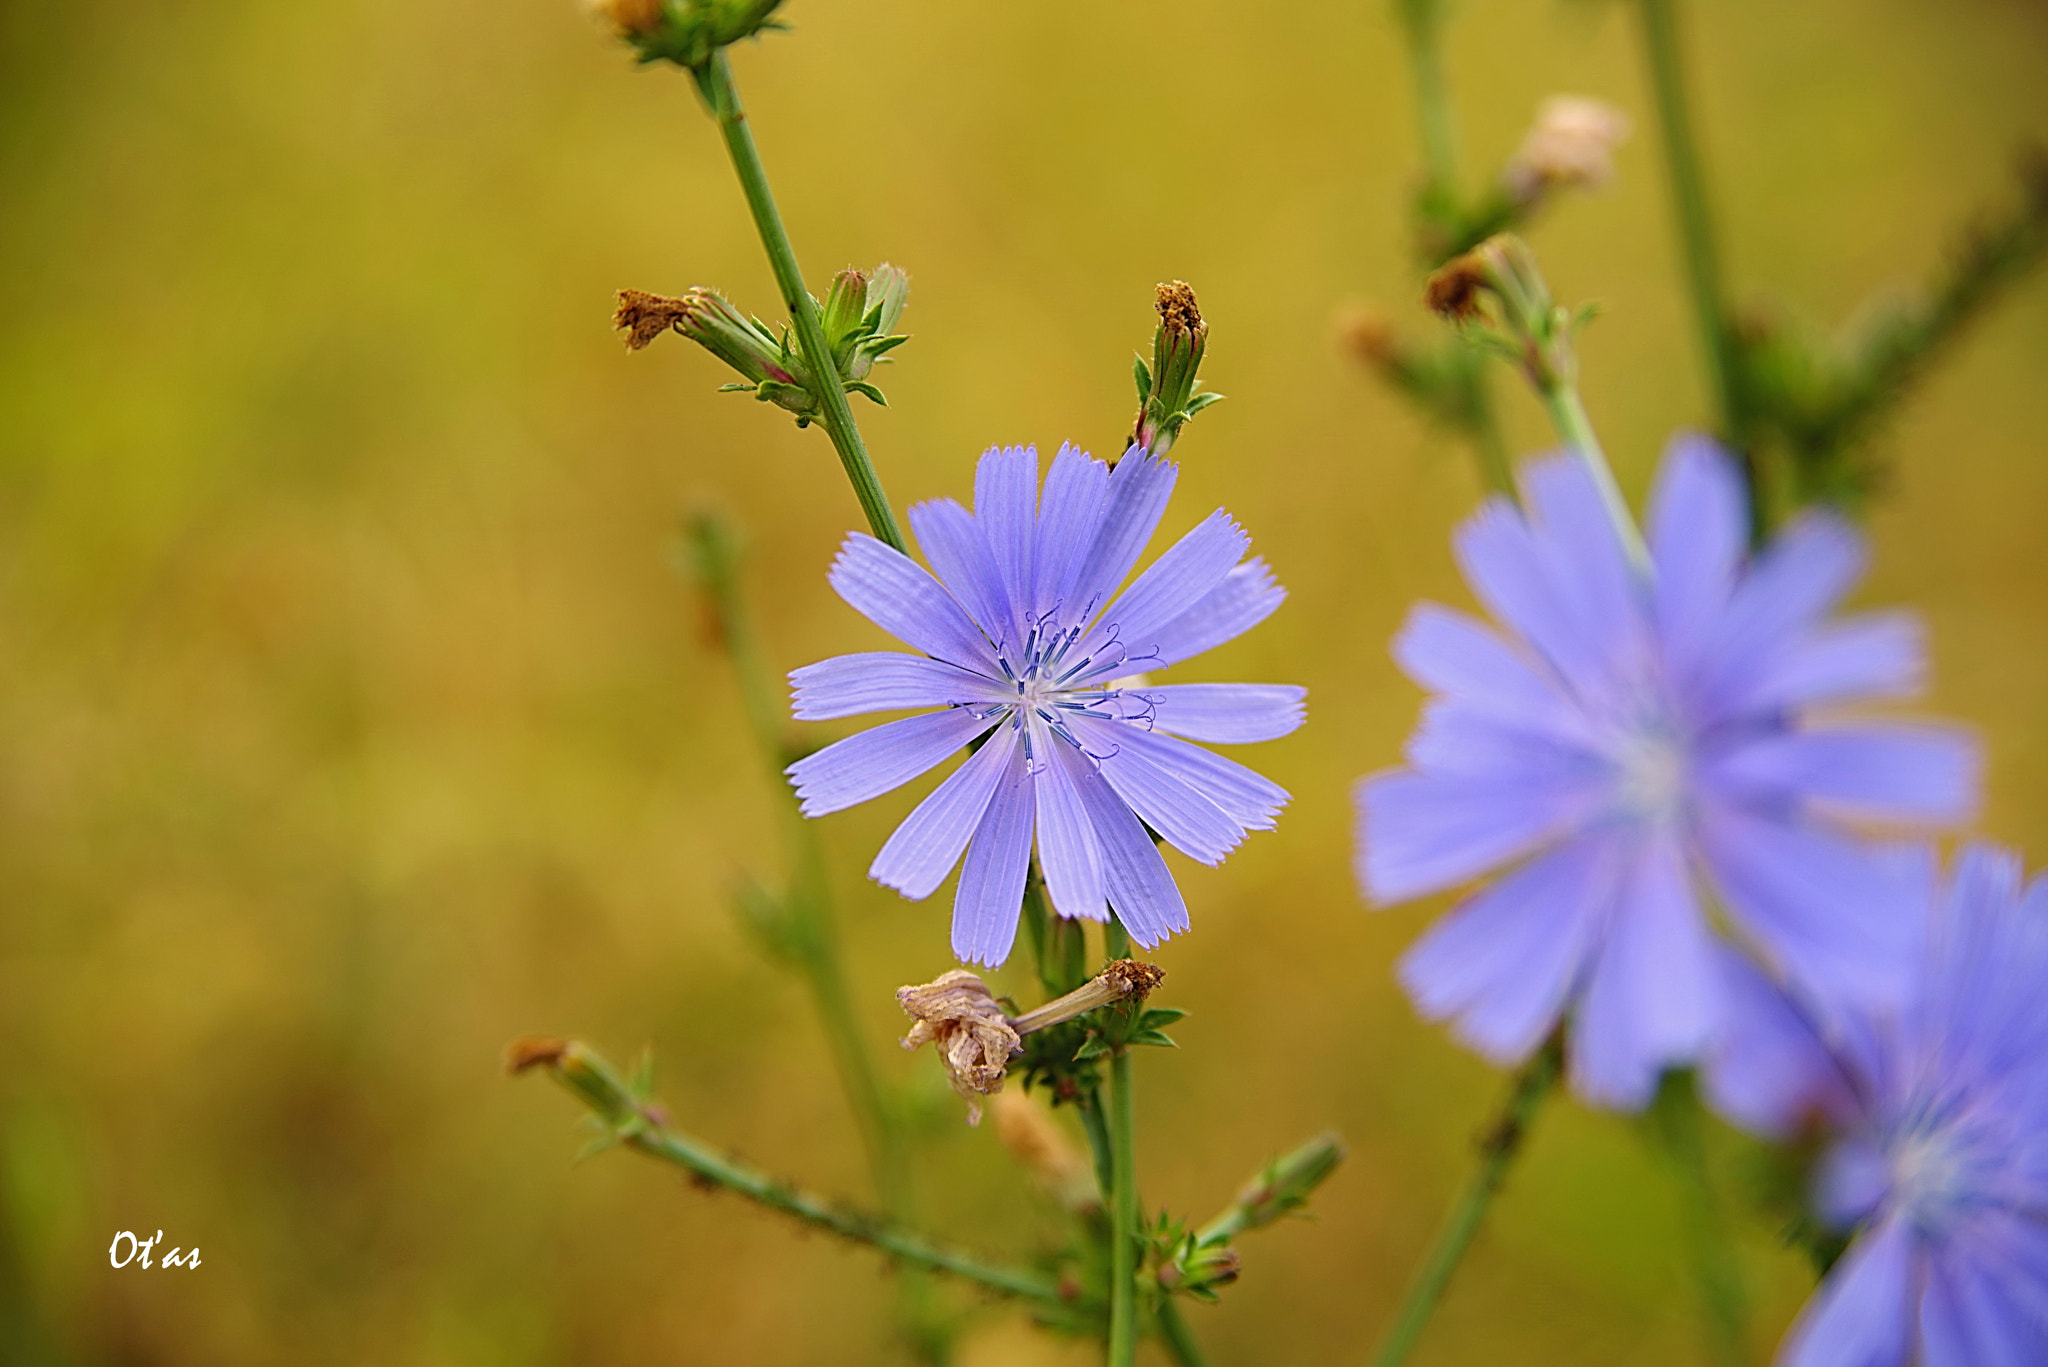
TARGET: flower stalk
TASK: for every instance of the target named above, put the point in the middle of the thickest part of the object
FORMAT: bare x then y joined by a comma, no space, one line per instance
625,1115
721,97
1498,1149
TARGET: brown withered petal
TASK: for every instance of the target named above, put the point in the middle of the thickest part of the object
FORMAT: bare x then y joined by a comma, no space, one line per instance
957,1014
644,317
1454,290
532,1051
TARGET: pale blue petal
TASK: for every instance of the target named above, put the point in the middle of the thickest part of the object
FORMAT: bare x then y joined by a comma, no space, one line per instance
1248,798
929,842
1503,964
991,893
959,554
1842,922
1699,530
1246,597
1862,1314
1855,659
1767,1070
1458,739
1006,506
870,763
1795,582
1069,516
1180,579
898,595
1587,569
1141,891
1650,1001
1161,795
881,681
1138,490
1851,1181
1226,714
1986,1304
1420,834
1068,855
1893,771
1448,652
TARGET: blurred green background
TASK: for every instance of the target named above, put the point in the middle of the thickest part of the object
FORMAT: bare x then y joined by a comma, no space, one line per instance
353,721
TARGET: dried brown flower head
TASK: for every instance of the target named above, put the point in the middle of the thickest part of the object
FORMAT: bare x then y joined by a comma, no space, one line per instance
644,317
628,16
534,1051
1455,289
957,1014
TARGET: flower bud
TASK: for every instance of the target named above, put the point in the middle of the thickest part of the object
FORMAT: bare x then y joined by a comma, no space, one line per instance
1571,145
1166,392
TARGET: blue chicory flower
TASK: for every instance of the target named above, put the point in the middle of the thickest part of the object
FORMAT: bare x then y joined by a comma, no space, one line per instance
1019,647
1936,1110
1633,736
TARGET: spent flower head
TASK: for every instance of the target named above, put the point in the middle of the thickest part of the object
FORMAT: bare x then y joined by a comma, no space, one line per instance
1935,1117
1571,145
1634,745
1024,641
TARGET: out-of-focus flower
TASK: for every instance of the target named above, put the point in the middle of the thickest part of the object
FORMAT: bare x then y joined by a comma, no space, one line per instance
1634,735
1019,647
1571,144
1027,1129
1938,1115
627,16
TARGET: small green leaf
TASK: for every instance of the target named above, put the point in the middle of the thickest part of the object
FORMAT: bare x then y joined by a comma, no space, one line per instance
1158,1017
1143,374
1096,1047
1152,1037
1202,401
866,390
735,389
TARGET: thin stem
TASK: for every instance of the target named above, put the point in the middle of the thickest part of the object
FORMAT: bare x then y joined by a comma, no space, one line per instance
708,1165
1661,44
1123,1233
1503,1142
1568,415
1495,470
1722,1302
1175,1336
714,78
1424,22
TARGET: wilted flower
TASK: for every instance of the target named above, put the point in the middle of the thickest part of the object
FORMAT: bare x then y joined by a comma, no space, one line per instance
1634,736
1937,1112
1571,144
959,1016
1019,647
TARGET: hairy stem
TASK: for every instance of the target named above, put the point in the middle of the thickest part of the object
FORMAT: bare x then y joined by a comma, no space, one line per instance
1497,1153
1123,1233
1661,43
1568,416
714,79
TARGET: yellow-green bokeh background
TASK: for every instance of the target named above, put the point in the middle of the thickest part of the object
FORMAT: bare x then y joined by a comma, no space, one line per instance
353,721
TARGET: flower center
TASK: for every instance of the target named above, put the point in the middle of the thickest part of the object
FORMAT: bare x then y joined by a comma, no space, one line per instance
1650,773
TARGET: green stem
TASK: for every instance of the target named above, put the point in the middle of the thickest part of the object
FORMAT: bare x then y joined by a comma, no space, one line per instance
1503,1142
1495,470
1178,1340
1123,1233
1661,43
708,1165
1424,22
1568,415
1679,1120
714,79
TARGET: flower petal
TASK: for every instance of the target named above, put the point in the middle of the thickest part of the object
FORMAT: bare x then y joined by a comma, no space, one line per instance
1767,1069
1650,1001
1841,921
1448,652
1069,516
1875,655
1699,530
959,554
1226,714
1503,963
1789,588
1141,891
1984,1306
900,596
1136,500
870,763
1162,796
1248,798
881,681
1860,1315
924,849
1246,597
1419,833
1006,506
1188,572
1886,771
1067,851
990,897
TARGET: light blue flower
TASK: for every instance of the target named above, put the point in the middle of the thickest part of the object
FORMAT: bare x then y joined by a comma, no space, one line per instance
1632,742
1936,1112
1023,643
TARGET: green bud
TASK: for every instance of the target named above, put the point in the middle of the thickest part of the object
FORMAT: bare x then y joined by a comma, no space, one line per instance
584,1072
709,319
846,305
686,32
1280,1189
1170,399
